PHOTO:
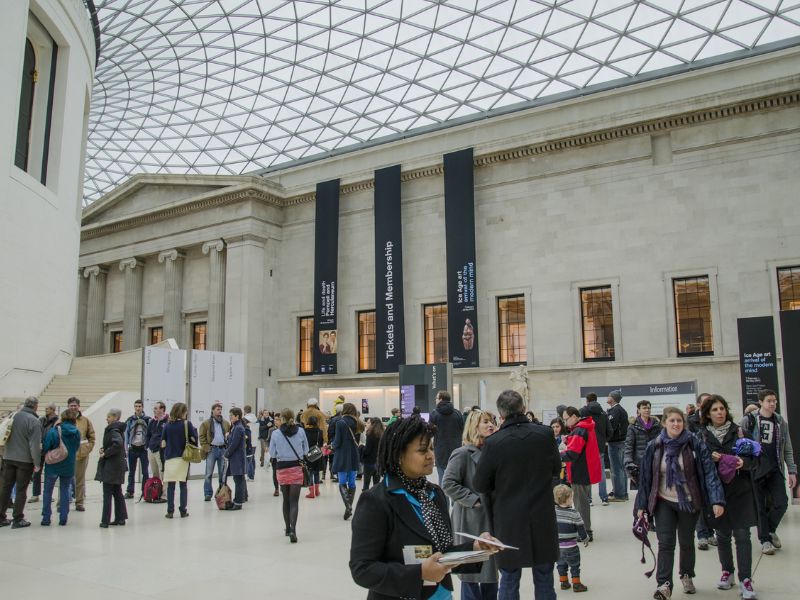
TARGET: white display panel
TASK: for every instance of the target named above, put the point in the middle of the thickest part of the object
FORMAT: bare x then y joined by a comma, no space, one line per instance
163,377
215,377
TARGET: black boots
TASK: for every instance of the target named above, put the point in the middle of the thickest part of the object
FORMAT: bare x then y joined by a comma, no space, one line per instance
347,495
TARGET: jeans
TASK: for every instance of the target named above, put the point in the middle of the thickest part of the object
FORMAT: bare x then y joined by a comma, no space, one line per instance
216,456
137,455
17,474
542,583
771,503
602,491
744,551
703,529
619,479
64,483
314,479
580,497
478,591
113,491
171,496
440,473
240,489
670,520
251,467
348,478
569,558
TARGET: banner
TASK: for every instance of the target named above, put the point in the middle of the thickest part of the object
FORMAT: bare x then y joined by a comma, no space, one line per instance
390,333
790,336
462,297
215,377
163,377
660,395
326,260
757,361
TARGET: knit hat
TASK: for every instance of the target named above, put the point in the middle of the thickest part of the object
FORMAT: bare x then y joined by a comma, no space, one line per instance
312,402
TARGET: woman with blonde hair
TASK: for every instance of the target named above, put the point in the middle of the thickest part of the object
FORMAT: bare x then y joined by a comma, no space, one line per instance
287,445
469,513
177,433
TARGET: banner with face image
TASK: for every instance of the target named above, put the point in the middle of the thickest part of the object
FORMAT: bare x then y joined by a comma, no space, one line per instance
326,261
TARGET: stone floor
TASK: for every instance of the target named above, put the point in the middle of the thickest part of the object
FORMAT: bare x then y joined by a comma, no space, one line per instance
203,556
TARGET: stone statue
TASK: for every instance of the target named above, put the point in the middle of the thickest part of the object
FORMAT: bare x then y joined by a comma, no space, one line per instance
519,382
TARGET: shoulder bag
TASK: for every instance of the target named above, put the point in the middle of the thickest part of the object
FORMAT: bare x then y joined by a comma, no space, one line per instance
191,452
57,454
303,465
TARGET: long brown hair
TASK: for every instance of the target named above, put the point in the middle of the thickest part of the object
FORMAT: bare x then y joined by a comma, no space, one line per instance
178,411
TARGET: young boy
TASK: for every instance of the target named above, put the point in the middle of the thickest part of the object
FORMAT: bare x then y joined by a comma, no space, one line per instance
570,532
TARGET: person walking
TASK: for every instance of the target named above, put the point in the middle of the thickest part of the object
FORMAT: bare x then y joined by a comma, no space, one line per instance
584,468
177,433
369,454
345,454
642,431
469,512
315,437
570,532
213,433
86,429
111,469
515,474
236,455
48,420
602,431
21,459
724,439
618,425
287,446
136,445
63,431
449,425
678,480
265,423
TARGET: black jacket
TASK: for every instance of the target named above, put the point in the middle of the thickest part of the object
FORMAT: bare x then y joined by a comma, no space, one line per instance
369,456
449,429
382,524
602,428
515,473
155,433
636,442
112,466
617,423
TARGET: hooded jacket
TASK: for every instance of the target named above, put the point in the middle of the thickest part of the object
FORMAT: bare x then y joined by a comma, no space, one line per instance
582,454
449,429
72,440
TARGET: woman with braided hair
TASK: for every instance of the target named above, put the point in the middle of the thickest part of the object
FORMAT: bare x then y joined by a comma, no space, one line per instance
405,512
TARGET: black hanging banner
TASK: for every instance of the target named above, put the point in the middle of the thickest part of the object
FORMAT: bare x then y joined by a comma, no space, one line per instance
390,342
326,258
757,361
462,298
790,343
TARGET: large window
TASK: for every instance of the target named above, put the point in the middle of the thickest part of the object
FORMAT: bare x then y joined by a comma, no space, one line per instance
789,287
156,335
511,331
366,341
199,331
116,341
597,323
435,323
306,349
693,330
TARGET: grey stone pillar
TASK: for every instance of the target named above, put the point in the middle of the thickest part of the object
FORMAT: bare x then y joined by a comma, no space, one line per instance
215,336
95,309
173,293
80,321
131,325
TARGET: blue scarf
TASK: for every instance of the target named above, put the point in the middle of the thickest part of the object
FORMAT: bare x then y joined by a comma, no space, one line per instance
676,478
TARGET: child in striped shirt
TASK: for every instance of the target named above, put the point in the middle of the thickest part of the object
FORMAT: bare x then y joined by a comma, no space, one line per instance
570,531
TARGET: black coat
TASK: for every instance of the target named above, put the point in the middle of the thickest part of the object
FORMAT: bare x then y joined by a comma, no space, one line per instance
602,428
235,450
740,502
369,456
382,524
515,472
111,468
617,423
449,429
345,447
636,442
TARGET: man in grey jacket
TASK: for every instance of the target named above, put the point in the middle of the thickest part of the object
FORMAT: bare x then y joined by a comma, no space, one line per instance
22,458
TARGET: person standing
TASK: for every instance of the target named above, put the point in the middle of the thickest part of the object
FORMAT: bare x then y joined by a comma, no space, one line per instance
449,428
316,438
213,432
136,445
237,458
111,470
515,473
602,430
63,431
369,455
265,423
22,457
642,431
775,467
48,421
177,433
155,432
584,468
618,424
345,455
86,430
287,445
394,417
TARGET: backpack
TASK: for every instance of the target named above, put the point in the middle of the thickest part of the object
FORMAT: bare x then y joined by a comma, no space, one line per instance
153,489
5,429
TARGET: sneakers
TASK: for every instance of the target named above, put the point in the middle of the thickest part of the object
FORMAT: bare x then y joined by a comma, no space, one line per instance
746,590
712,541
776,541
702,543
688,585
33,499
726,581
128,495
579,587
767,548
5,522
604,502
663,592
565,585
20,524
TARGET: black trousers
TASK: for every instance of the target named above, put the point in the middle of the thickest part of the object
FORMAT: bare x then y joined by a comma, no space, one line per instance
771,503
669,522
113,491
18,473
744,551
240,489
370,476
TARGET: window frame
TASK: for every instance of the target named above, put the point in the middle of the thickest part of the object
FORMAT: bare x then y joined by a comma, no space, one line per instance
425,333
594,359
374,341
575,290
794,268
497,299
115,335
310,339
716,321
151,330
193,334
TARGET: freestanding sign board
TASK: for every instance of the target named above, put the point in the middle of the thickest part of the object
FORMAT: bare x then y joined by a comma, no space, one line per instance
419,385
163,377
215,377
757,361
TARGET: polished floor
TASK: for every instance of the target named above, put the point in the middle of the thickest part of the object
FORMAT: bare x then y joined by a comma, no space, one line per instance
232,555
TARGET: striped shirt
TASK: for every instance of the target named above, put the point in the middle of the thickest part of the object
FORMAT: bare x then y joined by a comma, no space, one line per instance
570,527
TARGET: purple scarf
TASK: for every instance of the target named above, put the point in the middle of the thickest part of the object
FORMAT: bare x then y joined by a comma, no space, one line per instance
647,425
676,478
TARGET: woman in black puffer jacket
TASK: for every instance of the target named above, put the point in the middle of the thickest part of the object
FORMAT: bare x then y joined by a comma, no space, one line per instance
643,430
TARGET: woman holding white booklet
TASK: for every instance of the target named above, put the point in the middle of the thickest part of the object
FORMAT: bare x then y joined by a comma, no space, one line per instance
401,527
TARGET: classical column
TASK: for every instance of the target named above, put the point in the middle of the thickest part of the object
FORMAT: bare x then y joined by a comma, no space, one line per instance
131,326
173,292
95,309
215,336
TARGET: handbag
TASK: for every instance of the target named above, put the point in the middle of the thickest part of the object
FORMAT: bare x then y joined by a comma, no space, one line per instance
191,453
58,454
303,465
314,454
223,497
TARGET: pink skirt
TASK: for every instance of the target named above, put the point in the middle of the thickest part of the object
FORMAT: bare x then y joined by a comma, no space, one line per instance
290,476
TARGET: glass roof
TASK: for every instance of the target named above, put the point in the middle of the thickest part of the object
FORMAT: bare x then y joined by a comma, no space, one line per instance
236,86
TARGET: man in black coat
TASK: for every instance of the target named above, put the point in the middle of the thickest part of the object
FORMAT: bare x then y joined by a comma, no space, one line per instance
449,429
515,474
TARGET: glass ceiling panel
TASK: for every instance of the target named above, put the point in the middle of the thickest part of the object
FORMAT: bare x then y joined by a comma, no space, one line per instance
238,86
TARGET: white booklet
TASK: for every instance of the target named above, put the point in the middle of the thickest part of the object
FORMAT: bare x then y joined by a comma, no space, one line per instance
499,544
464,558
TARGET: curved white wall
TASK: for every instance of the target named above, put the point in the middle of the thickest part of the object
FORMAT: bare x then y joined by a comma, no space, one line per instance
40,224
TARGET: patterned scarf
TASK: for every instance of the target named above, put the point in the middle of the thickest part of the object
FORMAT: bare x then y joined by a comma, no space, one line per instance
432,517
721,431
676,478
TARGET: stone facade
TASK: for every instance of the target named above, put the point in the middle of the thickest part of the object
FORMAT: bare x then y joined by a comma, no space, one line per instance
690,175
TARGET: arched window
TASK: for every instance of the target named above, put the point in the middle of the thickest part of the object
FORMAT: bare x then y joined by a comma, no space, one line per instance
25,120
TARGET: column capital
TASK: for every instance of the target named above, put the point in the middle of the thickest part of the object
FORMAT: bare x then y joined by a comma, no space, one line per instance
246,238
217,245
94,271
173,254
130,263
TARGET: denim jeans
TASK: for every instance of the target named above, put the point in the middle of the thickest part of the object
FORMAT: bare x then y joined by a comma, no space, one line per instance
669,522
602,490
619,479
216,456
543,588
478,591
63,497
137,455
347,478
171,496
570,558
251,467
